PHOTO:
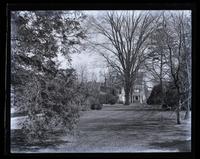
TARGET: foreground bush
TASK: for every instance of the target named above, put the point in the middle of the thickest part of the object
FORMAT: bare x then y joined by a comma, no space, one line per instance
52,105
47,93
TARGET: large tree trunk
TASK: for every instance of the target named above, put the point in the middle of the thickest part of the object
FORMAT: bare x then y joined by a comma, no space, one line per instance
161,78
178,105
162,93
127,88
187,113
178,112
127,93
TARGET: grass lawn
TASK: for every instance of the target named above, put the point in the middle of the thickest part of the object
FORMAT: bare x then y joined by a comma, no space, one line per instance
119,128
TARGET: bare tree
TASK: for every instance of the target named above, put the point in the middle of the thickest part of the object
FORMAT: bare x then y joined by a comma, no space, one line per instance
175,43
111,77
157,63
187,63
83,74
126,34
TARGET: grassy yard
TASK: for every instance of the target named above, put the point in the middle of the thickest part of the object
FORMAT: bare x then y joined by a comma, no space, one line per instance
119,128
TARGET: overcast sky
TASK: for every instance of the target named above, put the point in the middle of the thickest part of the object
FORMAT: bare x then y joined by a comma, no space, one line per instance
91,59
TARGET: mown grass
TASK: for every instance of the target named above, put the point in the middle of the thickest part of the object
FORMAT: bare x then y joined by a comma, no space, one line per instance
182,146
118,128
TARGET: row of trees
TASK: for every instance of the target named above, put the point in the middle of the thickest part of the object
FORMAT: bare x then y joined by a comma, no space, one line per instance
159,42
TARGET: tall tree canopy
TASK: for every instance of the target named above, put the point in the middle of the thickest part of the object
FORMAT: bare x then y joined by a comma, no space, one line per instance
125,47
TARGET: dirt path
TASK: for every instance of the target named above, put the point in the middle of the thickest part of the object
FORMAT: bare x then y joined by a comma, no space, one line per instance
120,128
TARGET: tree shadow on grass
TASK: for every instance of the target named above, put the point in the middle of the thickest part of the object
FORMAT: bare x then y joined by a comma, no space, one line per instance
18,142
181,146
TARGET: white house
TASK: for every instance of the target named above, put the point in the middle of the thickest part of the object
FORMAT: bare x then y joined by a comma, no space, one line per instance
138,92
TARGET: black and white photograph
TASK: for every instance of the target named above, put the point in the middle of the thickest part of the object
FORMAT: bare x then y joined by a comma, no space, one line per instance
100,81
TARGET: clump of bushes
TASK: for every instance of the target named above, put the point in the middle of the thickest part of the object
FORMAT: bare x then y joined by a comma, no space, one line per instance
85,105
155,96
112,99
89,97
108,98
170,93
120,102
170,98
95,104
92,97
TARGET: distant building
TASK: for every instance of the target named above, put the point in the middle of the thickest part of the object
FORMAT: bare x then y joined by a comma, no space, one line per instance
139,92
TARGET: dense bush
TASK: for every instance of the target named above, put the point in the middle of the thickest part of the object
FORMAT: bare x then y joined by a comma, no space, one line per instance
102,98
95,103
169,94
83,97
85,104
96,106
170,97
112,99
46,93
120,102
51,104
155,96
108,98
